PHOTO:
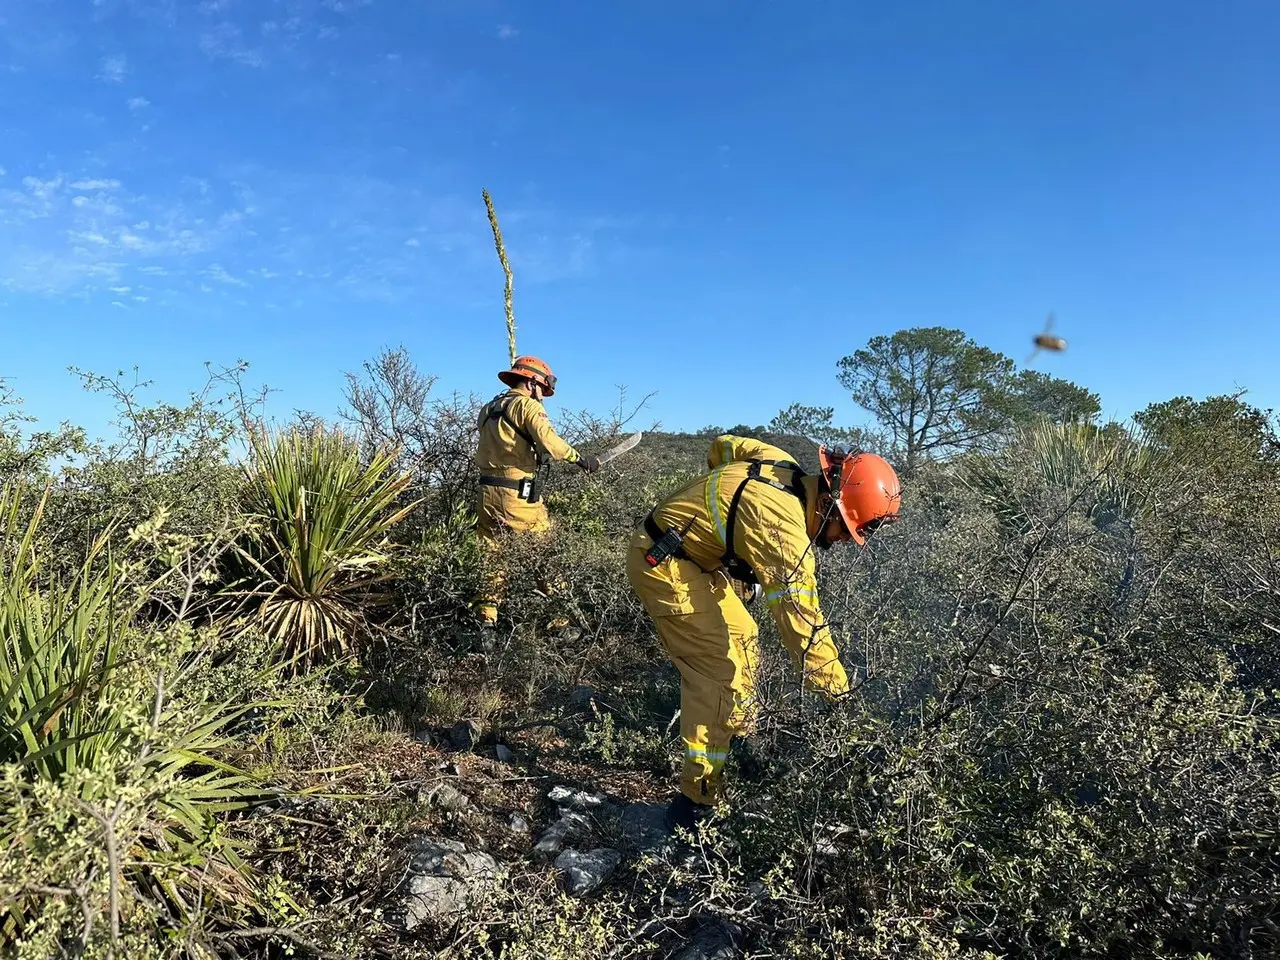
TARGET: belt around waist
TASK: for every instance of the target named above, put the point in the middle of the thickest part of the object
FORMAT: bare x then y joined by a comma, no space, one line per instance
508,483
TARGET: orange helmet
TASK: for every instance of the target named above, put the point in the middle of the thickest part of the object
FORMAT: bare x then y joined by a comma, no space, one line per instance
865,488
530,368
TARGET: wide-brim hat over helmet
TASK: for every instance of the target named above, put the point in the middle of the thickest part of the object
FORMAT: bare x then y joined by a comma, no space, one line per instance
865,489
530,368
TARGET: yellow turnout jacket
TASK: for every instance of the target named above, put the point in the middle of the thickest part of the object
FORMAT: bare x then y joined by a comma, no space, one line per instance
511,440
769,537
515,435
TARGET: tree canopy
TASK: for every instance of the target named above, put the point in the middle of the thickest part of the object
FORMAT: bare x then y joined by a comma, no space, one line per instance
938,392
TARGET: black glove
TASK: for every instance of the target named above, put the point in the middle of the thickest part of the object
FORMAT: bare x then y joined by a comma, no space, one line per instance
588,462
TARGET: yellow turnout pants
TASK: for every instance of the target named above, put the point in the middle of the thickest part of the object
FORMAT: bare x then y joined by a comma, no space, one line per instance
713,642
500,512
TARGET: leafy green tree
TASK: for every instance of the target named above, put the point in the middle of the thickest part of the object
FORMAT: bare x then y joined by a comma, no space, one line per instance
1039,395
934,389
817,425
1226,422
31,456
938,392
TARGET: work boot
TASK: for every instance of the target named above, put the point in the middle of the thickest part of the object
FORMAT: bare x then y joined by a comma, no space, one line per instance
683,812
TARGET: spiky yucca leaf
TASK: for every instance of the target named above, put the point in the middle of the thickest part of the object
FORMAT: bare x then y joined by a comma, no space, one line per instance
1119,468
89,723
315,560
59,643
1073,454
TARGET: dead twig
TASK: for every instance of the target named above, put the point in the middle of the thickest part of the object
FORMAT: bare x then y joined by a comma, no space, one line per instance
283,933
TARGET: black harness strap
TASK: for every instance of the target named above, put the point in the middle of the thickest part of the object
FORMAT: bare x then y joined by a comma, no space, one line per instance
738,568
496,409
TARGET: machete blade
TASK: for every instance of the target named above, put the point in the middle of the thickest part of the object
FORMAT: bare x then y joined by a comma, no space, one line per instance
621,448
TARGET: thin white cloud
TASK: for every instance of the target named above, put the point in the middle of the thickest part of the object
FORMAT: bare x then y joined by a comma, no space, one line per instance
57,241
121,289
117,303
138,103
219,273
113,69
224,41
3,171
44,189
507,32
263,233
100,205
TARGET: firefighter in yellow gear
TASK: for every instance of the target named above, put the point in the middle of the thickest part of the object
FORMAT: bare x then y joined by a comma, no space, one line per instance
754,519
516,440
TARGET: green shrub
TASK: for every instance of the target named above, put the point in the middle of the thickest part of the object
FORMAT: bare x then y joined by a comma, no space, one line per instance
111,784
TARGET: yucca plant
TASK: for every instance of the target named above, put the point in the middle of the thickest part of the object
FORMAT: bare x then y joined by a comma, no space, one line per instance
314,561
1069,455
1118,468
105,774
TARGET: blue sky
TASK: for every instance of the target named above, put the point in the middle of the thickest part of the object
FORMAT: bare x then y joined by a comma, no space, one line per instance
711,200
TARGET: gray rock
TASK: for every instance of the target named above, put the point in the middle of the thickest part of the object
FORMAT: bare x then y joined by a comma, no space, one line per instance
713,942
570,824
447,798
826,846
518,824
583,872
644,825
577,799
466,734
504,753
444,880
